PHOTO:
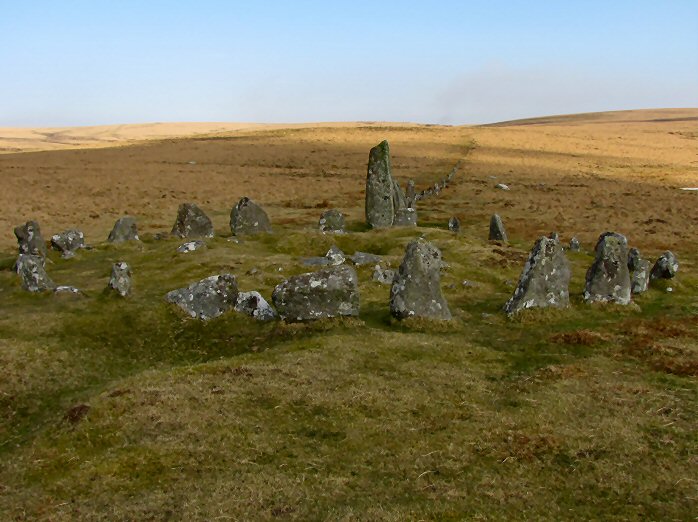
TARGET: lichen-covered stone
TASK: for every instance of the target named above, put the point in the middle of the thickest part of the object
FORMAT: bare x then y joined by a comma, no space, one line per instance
29,239
608,278
125,229
248,218
380,205
331,292
416,290
399,198
383,276
545,279
574,245
207,298
633,258
411,194
68,242
640,277
454,224
332,221
333,257
32,272
191,222
364,258
665,267
120,279
191,246
254,305
497,231
405,217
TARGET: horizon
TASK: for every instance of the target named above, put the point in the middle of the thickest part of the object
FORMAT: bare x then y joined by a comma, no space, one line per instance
94,64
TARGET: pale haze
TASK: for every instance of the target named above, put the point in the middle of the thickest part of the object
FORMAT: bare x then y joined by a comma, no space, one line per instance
99,62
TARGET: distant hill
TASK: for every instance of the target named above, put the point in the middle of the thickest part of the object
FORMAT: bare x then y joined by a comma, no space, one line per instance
635,116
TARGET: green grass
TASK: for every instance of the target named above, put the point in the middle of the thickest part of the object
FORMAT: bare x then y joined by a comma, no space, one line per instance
584,413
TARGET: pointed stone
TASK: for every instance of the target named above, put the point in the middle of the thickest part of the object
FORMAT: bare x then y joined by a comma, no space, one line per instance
497,231
332,221
29,239
120,280
545,279
416,290
248,218
68,242
454,225
207,298
380,209
665,267
32,271
641,276
399,198
125,229
254,305
192,222
608,278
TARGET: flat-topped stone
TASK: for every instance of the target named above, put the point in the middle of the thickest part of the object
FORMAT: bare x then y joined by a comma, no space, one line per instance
208,298
68,242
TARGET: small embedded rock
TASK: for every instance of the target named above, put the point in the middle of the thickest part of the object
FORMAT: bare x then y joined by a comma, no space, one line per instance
120,279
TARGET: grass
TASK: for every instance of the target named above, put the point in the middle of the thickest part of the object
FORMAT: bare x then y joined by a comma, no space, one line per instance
584,413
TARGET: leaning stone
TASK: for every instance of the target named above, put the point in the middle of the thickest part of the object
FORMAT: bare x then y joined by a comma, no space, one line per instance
32,271
190,246
124,230
254,305
364,258
545,279
207,298
331,292
332,221
405,217
665,267
416,290
68,242
454,224
380,209
497,231
574,245
249,218
633,258
120,280
383,276
192,222
29,239
608,278
641,276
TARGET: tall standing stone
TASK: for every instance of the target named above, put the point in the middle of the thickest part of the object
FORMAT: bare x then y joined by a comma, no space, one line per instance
249,218
380,206
545,279
608,278
125,229
497,231
416,288
640,279
633,258
29,239
192,222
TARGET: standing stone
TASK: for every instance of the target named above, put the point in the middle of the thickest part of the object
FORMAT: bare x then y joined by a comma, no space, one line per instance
380,209
545,279
249,218
497,231
29,239
405,217
399,198
124,230
192,222
641,276
335,256
68,242
254,305
32,271
574,245
207,298
120,280
454,224
633,258
665,267
332,221
416,290
608,278
331,292
411,194
383,276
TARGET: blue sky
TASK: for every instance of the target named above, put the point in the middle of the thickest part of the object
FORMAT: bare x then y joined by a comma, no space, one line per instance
82,62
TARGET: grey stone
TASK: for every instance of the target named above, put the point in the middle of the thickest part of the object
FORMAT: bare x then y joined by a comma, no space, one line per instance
249,218
192,222
640,276
545,279
608,278
254,305
364,258
454,224
665,267
405,217
120,279
335,255
32,271
554,235
67,290
125,229
68,242
411,194
383,276
207,298
497,231
501,186
29,239
399,198
331,292
380,207
332,221
416,290
574,245
191,246
633,258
